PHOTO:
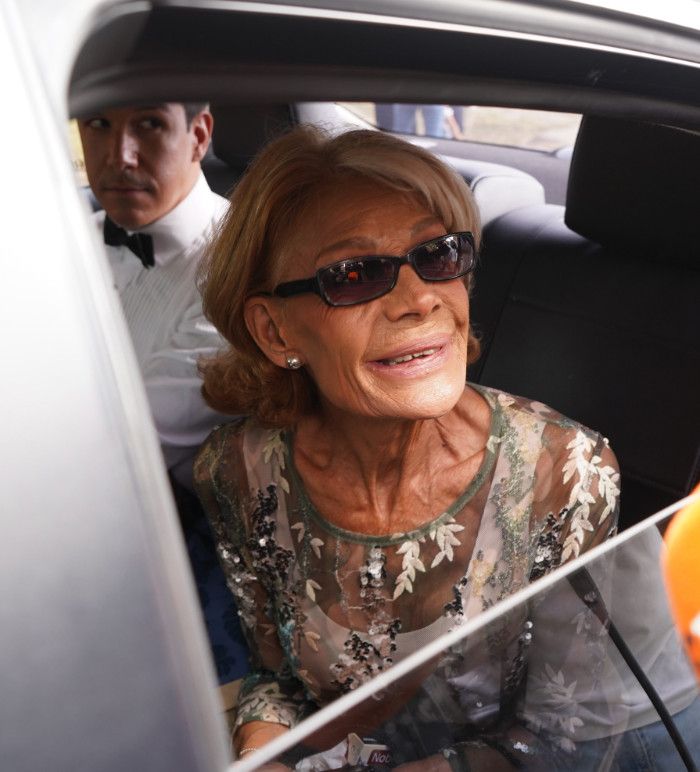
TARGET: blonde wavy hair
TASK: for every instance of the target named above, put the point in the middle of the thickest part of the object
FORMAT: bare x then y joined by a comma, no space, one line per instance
267,212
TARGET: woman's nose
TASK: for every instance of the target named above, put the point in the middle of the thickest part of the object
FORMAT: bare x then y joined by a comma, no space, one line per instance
411,296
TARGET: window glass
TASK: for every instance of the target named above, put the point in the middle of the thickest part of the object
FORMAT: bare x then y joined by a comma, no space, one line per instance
533,129
538,681
76,153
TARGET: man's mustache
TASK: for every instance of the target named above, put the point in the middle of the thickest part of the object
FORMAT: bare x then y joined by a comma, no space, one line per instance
125,180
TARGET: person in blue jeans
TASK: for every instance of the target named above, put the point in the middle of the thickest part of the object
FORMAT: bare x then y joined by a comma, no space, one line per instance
402,118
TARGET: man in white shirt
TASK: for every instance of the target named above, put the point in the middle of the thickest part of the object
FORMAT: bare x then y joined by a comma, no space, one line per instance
143,165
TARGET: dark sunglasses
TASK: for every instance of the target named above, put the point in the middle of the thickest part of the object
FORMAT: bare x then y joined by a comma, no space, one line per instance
361,279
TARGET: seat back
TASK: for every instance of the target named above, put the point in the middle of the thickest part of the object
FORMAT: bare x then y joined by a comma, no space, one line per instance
497,188
240,131
595,309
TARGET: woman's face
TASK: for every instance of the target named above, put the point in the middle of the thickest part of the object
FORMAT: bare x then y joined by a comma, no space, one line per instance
357,355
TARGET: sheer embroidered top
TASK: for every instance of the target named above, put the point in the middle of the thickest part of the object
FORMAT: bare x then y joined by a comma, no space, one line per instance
325,609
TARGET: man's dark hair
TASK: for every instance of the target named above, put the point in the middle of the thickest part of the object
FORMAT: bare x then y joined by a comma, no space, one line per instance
192,109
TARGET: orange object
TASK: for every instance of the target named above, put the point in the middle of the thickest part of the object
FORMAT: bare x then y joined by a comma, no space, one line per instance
695,643
681,566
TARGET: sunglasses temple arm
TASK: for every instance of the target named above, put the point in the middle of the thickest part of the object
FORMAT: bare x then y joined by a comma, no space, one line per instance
297,287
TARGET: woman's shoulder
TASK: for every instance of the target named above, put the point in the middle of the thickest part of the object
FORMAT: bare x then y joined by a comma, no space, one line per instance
222,435
574,469
529,428
518,409
238,444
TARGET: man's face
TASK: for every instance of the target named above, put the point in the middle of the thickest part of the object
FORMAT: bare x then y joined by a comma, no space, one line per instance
142,161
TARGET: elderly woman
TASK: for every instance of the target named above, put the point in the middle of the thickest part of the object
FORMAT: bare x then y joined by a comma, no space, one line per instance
373,499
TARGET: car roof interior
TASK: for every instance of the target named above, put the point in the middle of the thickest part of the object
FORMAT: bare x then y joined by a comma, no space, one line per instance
591,307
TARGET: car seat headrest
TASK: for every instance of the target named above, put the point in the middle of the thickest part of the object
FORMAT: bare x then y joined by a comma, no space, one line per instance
241,130
635,185
497,189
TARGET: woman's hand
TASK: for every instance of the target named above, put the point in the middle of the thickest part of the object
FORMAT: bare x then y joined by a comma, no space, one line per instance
253,735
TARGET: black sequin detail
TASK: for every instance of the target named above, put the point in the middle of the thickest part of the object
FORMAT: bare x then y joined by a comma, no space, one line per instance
549,547
270,561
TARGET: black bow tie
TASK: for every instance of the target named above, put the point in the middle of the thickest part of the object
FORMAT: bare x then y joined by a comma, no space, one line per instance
141,244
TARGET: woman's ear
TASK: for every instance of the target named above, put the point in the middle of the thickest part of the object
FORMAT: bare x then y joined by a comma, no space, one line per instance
262,318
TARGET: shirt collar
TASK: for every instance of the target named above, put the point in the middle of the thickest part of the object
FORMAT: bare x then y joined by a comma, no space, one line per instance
181,226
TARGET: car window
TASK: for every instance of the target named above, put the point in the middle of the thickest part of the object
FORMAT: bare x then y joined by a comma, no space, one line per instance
76,153
532,129
545,679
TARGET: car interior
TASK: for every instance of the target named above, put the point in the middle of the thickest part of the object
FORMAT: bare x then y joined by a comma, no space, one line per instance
587,286
587,303
589,306
592,305
582,303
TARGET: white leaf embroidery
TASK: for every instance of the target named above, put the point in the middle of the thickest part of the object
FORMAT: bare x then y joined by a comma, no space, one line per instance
410,549
581,498
301,528
311,587
580,448
274,444
608,488
316,545
311,638
581,621
444,536
403,583
274,453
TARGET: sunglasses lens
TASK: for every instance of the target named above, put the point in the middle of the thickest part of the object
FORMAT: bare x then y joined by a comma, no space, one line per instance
356,281
445,258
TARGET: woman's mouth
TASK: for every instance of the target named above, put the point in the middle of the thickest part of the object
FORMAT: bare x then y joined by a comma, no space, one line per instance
424,357
408,357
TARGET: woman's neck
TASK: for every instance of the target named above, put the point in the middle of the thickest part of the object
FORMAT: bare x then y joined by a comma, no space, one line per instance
390,474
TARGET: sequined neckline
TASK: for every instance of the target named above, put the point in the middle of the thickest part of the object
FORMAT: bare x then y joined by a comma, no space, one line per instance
457,505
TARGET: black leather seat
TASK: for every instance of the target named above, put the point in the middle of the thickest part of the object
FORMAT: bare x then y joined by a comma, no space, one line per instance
239,132
595,309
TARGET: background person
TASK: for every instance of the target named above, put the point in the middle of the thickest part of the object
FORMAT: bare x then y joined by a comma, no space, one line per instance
143,165
374,501
403,119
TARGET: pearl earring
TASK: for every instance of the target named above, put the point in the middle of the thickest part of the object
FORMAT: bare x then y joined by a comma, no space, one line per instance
293,362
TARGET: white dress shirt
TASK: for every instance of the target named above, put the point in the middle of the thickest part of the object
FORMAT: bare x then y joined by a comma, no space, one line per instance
163,309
